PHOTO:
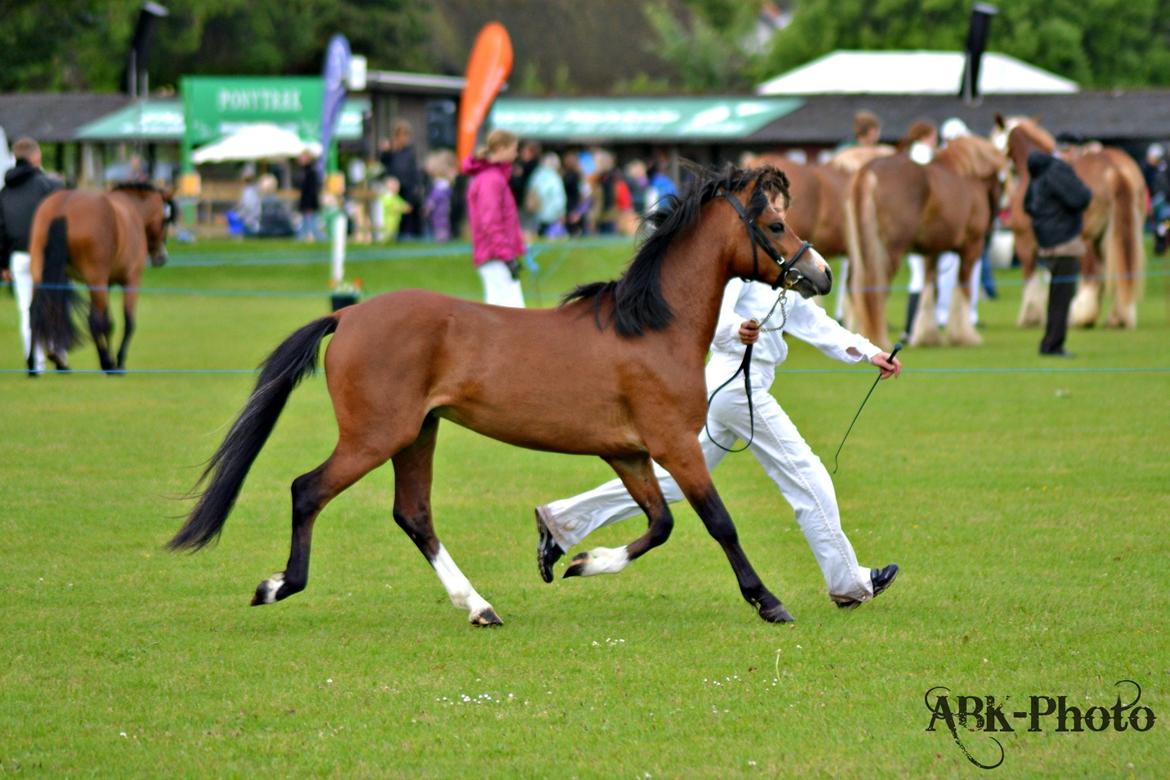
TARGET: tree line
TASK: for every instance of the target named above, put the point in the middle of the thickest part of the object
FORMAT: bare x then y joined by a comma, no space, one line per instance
81,44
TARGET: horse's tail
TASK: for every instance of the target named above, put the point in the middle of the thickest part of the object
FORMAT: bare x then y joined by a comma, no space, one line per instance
288,364
868,259
55,299
1125,256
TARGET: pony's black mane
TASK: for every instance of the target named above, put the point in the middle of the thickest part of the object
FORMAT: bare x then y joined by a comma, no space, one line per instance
637,298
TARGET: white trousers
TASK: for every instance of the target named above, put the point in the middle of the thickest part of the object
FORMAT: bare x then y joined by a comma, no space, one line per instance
948,280
498,285
785,457
21,265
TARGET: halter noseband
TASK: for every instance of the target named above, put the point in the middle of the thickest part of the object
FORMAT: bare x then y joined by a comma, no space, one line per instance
788,272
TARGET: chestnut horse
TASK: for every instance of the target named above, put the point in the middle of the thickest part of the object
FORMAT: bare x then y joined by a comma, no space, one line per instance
616,371
101,239
1112,226
819,193
896,206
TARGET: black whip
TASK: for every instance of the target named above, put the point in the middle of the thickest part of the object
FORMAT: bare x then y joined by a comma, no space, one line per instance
897,347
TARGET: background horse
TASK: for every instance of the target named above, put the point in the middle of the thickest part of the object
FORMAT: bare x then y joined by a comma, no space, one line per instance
819,194
100,239
615,371
1112,226
945,205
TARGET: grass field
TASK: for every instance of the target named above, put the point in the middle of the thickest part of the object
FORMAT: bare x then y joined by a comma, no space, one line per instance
1026,501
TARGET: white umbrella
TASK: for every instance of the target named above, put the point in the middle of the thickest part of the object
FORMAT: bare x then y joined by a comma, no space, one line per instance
259,141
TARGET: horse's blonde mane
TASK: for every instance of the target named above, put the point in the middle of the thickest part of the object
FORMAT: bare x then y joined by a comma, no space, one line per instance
1032,129
851,160
971,155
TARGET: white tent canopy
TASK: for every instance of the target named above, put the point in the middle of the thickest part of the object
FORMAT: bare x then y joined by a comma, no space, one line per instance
912,73
259,141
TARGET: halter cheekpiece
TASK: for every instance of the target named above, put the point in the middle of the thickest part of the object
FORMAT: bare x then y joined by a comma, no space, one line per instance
789,274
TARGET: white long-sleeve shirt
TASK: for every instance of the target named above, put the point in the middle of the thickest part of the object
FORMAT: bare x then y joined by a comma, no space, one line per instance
806,320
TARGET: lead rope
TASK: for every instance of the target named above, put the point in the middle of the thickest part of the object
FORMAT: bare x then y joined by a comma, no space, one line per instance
745,367
897,347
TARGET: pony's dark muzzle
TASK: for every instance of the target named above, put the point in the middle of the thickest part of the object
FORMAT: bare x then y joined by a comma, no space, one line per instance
159,258
814,277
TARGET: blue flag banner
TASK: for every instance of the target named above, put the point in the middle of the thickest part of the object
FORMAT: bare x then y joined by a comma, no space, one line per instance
337,57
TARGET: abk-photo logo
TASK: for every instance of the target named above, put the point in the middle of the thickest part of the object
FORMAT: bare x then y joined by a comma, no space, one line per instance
994,715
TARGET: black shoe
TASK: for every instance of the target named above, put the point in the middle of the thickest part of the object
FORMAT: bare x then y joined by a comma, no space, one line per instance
882,579
548,551
1056,353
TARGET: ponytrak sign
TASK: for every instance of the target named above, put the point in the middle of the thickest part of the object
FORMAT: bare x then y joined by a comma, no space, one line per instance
215,106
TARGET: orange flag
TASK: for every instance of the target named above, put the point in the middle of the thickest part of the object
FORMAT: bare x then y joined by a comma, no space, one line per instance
487,69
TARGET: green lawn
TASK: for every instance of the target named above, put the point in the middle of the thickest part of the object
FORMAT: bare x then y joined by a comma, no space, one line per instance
1026,501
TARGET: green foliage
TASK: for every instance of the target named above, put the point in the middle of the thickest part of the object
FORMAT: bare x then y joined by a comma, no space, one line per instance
709,52
1098,43
82,44
1027,509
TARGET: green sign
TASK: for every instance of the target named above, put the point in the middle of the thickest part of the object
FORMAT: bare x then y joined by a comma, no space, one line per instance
162,120
639,119
214,106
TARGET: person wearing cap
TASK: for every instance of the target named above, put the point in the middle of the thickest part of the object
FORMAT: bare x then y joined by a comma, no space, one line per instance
1056,200
948,262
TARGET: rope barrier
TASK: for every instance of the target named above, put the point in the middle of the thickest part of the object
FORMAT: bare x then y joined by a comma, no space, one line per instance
262,293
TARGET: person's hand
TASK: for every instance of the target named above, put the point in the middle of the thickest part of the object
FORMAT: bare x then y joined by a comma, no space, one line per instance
749,332
6,275
887,366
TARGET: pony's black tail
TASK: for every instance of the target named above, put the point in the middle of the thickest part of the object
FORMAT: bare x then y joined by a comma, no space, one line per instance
288,364
55,299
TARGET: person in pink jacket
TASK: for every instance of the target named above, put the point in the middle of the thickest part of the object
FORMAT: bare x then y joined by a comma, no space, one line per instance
496,239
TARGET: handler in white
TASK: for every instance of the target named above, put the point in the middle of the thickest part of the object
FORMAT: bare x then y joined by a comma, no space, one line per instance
777,444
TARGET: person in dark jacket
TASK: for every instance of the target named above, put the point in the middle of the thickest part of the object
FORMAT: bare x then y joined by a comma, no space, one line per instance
25,186
399,160
309,203
1056,200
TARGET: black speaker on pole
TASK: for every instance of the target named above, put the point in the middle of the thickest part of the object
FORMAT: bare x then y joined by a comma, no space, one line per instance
977,35
440,124
137,80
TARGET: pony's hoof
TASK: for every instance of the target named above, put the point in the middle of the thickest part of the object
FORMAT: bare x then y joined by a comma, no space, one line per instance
486,618
578,565
267,591
776,614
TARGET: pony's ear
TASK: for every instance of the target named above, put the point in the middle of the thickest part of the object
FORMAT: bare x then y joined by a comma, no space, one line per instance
1000,124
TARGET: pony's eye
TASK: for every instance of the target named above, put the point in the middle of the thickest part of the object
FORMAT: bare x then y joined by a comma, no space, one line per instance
776,227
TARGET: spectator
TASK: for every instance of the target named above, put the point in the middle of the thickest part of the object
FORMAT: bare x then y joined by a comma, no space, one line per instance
546,196
867,130
399,160
25,186
496,238
440,167
309,203
1056,199
275,219
576,204
393,207
249,208
522,170
662,187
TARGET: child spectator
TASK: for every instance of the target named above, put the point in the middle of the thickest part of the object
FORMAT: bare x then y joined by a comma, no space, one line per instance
440,166
393,207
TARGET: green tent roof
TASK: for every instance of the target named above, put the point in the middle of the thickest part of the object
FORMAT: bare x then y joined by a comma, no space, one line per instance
639,119
162,120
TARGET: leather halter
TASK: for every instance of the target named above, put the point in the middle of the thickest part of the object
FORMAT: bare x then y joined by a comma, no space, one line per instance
790,275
